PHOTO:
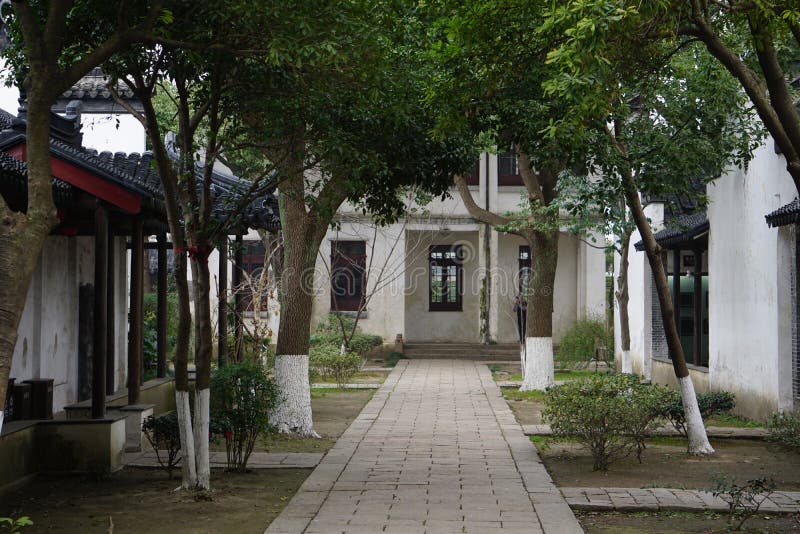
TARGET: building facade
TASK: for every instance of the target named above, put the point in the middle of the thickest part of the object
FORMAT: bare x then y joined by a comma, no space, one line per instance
735,290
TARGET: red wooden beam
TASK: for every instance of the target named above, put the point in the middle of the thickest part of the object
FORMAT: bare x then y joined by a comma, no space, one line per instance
86,181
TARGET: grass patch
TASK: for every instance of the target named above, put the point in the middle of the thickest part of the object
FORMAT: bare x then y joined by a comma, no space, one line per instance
393,358
730,420
318,393
514,394
576,375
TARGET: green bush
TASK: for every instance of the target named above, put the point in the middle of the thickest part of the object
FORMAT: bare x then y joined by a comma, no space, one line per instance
330,333
610,414
712,403
328,361
784,428
163,434
242,396
150,331
15,525
579,342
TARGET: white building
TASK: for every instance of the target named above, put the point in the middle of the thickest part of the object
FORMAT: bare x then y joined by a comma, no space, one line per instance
440,276
740,274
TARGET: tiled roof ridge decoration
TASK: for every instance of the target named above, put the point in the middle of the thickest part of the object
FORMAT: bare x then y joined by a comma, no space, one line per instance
788,214
94,86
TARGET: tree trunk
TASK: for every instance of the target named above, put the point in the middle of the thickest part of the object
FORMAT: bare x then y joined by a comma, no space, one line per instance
201,280
22,235
292,414
539,367
695,430
622,301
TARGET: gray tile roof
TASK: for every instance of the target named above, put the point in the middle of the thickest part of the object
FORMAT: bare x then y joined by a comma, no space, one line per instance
788,214
94,86
135,172
680,229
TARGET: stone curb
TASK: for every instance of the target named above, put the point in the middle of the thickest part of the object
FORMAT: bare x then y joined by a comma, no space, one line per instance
667,499
258,460
327,385
713,432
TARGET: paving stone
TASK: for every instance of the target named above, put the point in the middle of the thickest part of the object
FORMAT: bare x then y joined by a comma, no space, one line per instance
435,450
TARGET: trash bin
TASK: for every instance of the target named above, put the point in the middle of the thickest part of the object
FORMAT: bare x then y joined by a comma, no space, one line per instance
41,398
22,401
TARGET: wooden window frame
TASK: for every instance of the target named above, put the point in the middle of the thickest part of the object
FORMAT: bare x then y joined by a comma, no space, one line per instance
506,178
524,262
473,178
457,261
348,257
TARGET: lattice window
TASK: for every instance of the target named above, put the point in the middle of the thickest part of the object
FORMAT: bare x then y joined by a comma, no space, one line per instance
446,284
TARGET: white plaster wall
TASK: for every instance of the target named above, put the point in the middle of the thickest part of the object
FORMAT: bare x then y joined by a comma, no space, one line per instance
450,326
47,342
591,282
386,266
640,300
749,339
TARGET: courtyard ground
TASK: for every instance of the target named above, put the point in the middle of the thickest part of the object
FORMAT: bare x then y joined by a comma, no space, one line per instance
140,500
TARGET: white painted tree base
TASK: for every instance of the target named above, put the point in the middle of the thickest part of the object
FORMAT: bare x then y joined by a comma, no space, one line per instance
695,430
292,415
627,364
538,373
1,420
188,466
522,359
201,422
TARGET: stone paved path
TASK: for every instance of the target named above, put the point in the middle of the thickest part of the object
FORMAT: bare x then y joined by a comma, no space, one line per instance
665,499
436,450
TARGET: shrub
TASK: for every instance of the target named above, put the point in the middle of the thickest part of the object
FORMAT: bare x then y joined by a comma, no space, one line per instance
609,413
242,396
712,403
784,428
579,342
163,434
328,361
330,333
150,331
743,500
15,525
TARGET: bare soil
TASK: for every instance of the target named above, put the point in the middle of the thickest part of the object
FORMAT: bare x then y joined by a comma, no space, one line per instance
665,463
680,522
142,500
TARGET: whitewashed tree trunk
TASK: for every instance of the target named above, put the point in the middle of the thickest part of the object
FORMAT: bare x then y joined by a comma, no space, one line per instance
539,371
522,360
695,430
1,421
292,413
627,364
188,466
201,421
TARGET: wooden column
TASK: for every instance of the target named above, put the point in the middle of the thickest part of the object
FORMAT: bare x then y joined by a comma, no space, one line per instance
135,313
111,322
161,309
698,306
237,283
100,313
676,289
222,298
